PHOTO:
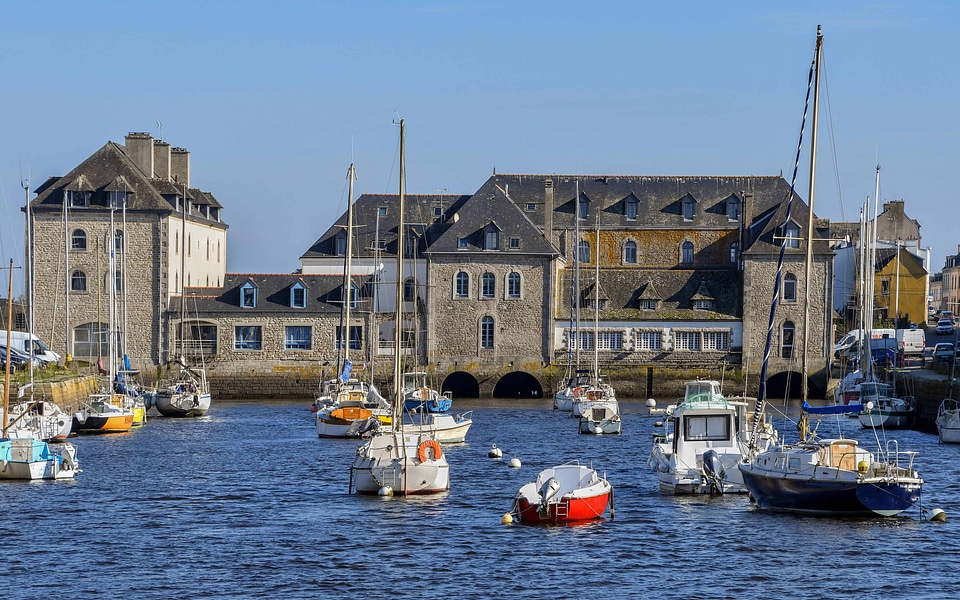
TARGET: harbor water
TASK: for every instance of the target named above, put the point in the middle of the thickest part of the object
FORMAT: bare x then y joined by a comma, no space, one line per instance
248,502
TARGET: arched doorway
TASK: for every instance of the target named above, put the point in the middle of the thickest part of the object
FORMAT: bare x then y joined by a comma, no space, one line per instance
518,385
461,384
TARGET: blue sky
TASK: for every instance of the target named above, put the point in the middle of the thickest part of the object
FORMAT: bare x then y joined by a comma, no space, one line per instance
275,99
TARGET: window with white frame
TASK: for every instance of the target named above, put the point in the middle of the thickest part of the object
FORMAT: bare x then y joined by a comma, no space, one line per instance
733,209
687,340
78,240
492,240
583,253
488,286
786,340
649,340
513,285
716,340
703,304
298,296
486,333
90,339
78,281
514,243
531,207
789,288
247,337
610,340
647,304
462,285
585,341
297,337
630,252
791,231
248,295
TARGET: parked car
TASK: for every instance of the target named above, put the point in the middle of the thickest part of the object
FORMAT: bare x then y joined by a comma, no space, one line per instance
944,352
945,327
21,359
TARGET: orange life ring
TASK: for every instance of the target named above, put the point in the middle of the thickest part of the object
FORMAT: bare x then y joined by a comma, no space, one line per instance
422,450
577,392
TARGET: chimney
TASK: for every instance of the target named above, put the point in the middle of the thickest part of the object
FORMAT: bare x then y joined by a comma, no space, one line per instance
161,159
140,150
180,166
747,218
548,210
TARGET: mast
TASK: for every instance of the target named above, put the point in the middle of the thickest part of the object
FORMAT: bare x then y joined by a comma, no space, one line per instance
123,278
813,176
375,330
28,272
183,274
576,268
66,268
596,308
112,298
6,374
399,295
348,263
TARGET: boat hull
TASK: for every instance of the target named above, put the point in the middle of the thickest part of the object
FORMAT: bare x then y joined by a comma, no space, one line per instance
182,405
885,419
103,424
833,497
569,510
405,463
564,494
28,459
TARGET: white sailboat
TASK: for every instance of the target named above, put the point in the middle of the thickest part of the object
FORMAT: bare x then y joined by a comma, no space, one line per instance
352,408
596,405
187,394
396,460
23,455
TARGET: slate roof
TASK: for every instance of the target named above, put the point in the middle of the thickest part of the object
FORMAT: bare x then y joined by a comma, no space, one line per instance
110,169
324,295
419,219
674,289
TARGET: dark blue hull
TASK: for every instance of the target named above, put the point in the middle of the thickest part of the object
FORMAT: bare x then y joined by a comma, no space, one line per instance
831,497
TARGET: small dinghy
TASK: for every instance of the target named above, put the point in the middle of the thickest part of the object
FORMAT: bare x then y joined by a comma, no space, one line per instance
565,494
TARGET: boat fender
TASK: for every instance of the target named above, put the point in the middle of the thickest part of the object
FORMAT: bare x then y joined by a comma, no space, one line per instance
196,400
422,450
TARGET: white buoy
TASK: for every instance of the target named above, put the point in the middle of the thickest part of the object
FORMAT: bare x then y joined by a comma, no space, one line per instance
506,519
385,491
494,452
651,402
514,463
938,515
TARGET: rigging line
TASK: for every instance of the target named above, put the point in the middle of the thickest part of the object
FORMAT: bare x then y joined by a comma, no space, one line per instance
761,395
833,140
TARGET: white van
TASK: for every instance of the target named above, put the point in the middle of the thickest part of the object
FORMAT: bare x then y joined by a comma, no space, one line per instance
911,341
849,345
29,343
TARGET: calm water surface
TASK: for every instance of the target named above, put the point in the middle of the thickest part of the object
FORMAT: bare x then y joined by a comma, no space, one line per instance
248,502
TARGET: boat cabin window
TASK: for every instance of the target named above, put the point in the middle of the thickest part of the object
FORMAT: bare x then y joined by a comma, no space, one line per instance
706,427
794,464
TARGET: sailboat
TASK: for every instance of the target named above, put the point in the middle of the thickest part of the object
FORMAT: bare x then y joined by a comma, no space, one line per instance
597,406
23,455
577,380
188,393
109,410
823,476
396,460
352,409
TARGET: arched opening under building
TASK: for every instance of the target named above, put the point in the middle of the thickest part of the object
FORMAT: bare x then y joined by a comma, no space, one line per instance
789,384
461,384
518,385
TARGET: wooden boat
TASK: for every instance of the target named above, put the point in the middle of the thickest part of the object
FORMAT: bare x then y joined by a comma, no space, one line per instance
564,494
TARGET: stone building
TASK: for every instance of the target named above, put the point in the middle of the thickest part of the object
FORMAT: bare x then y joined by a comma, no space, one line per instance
128,214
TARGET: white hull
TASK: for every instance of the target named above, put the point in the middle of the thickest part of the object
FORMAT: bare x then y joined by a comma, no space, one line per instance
393,460
948,422
563,401
182,404
601,420
886,419
29,459
46,419
446,428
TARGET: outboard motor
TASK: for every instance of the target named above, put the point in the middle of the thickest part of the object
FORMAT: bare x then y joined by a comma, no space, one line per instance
713,472
369,426
547,491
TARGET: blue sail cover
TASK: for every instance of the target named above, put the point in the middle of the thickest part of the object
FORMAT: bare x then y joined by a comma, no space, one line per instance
841,409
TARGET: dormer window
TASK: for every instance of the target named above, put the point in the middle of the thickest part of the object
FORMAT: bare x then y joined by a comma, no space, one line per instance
791,231
461,243
491,240
341,245
531,207
514,243
689,208
733,209
78,199
382,211
631,209
248,295
583,207
116,199
298,296
354,294
704,304
437,211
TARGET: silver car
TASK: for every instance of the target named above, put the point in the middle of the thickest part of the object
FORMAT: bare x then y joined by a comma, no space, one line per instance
945,327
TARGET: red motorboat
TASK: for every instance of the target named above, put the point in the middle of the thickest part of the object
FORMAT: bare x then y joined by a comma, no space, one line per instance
564,494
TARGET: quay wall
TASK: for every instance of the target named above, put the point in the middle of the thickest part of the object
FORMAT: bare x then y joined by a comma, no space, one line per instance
67,394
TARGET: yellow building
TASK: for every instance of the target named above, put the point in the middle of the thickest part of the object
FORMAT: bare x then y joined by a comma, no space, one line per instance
901,287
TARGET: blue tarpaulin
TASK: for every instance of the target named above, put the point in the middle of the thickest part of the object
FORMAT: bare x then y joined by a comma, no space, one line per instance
840,409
